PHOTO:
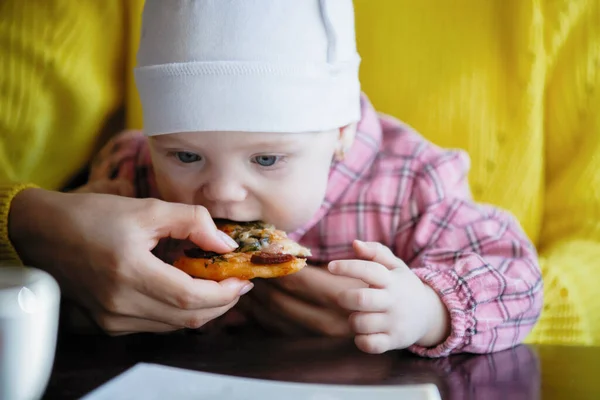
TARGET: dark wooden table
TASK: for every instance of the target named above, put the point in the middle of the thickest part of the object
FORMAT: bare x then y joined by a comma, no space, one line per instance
85,362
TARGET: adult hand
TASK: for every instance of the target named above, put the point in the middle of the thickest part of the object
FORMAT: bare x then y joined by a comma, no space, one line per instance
119,187
99,247
300,304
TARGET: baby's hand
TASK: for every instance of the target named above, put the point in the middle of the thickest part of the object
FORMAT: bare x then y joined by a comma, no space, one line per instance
397,310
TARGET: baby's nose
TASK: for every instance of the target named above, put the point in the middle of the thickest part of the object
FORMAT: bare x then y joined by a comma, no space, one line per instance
225,191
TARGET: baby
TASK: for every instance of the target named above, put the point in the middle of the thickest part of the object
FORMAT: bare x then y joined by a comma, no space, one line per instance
253,109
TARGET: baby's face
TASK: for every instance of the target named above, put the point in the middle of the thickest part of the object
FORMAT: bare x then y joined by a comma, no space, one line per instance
279,178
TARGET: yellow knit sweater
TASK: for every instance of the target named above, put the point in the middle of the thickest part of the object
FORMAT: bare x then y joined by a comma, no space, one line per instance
514,82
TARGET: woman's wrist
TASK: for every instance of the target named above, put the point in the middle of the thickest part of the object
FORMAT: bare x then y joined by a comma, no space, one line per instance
27,218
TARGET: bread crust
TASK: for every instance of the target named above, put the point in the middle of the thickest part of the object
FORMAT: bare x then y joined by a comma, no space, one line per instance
236,265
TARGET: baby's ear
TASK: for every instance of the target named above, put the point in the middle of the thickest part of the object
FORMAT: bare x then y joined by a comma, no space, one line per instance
345,141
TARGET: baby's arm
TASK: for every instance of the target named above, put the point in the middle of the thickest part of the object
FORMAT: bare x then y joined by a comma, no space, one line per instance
475,257
460,277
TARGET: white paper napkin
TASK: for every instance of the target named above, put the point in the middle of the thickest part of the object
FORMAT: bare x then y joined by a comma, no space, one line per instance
153,381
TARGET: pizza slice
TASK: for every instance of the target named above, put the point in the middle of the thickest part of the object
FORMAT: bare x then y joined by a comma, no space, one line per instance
263,252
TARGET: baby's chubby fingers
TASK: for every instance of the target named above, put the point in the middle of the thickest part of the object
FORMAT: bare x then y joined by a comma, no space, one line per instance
364,323
378,253
371,273
365,300
374,344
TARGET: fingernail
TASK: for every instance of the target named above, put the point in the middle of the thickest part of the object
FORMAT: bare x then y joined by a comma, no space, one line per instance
246,289
227,240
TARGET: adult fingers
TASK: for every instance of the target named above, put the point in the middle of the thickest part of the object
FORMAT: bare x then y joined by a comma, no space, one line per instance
121,325
186,222
376,252
269,319
170,285
326,321
317,285
138,306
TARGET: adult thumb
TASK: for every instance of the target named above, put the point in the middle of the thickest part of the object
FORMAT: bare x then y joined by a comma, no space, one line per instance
190,222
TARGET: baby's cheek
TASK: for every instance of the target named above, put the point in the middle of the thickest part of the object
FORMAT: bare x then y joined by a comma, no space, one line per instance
295,205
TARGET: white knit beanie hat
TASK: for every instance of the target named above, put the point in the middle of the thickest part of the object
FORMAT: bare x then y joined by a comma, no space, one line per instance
248,65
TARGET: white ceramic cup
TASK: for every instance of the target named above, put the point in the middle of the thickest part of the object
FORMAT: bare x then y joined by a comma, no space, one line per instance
29,308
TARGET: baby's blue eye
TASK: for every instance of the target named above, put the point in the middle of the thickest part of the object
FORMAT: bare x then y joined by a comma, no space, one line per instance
186,157
266,161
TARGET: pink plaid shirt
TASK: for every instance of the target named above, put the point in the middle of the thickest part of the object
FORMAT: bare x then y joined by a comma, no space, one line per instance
396,188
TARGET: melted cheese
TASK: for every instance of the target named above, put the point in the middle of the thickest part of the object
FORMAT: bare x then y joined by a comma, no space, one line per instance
259,236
